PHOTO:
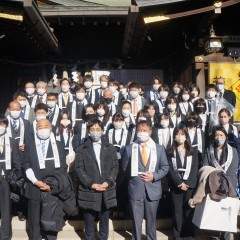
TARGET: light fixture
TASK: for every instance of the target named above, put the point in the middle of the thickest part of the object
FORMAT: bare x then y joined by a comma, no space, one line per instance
217,6
214,44
155,19
11,16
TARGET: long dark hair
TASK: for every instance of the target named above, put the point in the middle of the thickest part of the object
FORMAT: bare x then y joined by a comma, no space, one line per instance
69,127
187,143
215,129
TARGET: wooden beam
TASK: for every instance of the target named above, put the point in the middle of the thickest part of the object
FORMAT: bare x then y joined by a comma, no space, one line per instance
132,20
145,3
40,27
214,57
58,11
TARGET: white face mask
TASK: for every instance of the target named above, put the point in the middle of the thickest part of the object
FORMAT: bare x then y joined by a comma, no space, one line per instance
194,93
143,137
65,122
95,136
180,139
185,97
44,133
30,91
134,94
23,103
51,104
40,117
164,123
101,112
15,114
112,89
88,84
211,94
126,113
142,119
41,91
2,130
123,91
65,88
104,85
163,94
220,86
172,107
118,125
176,90
80,95
156,87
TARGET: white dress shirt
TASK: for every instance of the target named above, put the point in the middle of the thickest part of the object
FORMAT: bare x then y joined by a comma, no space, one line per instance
118,135
97,151
65,135
29,172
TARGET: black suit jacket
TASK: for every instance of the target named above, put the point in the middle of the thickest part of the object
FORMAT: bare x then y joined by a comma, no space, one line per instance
230,97
175,179
87,171
31,161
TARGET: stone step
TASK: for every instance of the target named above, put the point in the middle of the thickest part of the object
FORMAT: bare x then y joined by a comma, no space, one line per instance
114,225
71,235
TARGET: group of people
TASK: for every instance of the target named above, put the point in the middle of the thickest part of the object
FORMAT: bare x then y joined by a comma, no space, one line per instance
76,148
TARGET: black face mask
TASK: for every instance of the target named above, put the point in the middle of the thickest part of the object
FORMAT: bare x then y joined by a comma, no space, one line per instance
107,100
200,109
90,117
191,123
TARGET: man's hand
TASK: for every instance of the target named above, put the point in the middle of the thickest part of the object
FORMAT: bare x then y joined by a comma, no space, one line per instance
46,188
100,187
183,186
40,184
147,177
22,147
43,186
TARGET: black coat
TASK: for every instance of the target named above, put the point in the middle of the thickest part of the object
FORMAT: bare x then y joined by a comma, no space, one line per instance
230,97
31,161
87,171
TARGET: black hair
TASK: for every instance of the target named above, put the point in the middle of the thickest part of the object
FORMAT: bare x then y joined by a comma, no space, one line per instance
41,106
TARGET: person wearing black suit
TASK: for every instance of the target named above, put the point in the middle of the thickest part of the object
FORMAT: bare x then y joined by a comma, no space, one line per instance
18,129
117,96
153,93
80,128
228,95
53,114
96,166
44,156
30,92
184,163
9,163
92,94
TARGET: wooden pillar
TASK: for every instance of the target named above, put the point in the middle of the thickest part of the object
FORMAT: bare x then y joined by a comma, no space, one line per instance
201,78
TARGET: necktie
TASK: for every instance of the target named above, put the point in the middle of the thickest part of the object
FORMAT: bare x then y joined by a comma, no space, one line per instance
135,110
14,124
50,112
144,154
65,99
41,99
1,145
43,149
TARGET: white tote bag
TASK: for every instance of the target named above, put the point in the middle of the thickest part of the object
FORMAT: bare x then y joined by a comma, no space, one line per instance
217,216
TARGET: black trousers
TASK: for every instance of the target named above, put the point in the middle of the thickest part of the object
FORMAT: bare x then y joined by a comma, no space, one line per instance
5,208
146,207
33,223
89,217
182,214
